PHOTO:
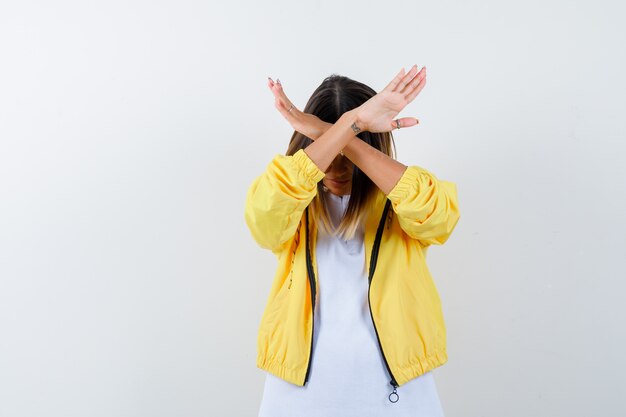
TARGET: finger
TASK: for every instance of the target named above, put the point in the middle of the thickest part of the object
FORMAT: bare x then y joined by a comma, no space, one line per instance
270,83
282,95
279,94
417,90
395,81
406,79
404,122
413,83
289,109
284,110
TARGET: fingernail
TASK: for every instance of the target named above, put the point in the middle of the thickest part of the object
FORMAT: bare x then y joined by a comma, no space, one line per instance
277,80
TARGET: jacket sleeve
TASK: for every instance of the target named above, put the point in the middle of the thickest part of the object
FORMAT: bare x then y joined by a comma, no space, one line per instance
427,208
277,198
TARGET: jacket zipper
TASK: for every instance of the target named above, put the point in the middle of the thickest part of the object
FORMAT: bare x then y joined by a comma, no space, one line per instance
393,396
311,275
394,384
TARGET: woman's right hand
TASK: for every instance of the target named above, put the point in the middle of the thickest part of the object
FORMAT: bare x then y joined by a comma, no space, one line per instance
308,124
377,114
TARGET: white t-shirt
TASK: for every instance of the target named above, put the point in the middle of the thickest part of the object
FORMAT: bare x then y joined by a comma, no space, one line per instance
348,376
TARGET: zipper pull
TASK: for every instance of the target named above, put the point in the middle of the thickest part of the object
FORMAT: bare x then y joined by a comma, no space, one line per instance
394,393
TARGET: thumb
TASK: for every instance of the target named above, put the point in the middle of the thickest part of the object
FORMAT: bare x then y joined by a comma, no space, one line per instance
404,122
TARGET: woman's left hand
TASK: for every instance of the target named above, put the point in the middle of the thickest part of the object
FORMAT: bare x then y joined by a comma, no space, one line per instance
377,114
308,124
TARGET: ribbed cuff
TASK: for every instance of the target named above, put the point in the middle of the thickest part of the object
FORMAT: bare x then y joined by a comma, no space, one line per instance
308,169
407,182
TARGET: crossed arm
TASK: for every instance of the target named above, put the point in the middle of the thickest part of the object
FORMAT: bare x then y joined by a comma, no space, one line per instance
383,170
426,207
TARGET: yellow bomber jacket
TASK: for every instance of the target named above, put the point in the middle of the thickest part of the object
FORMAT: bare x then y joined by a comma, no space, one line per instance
404,303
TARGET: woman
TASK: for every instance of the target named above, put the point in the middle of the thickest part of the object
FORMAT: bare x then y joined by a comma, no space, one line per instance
353,317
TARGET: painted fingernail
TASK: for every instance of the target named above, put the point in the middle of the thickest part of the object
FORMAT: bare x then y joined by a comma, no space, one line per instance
277,80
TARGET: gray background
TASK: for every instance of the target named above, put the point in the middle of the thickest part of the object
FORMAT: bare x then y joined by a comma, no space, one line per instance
130,131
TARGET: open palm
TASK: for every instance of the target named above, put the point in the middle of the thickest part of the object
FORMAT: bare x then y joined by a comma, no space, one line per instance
377,114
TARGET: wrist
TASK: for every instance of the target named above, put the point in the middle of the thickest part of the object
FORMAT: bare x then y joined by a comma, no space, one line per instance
355,121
